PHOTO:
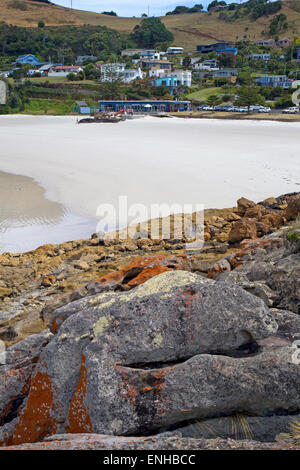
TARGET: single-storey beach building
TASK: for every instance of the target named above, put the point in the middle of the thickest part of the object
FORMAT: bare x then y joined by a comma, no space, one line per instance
145,105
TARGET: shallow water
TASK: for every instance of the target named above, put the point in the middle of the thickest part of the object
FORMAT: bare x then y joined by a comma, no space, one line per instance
151,160
28,219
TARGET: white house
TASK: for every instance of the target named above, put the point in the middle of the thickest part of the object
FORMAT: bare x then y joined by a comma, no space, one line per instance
264,57
175,50
129,75
64,70
184,77
157,73
111,71
151,54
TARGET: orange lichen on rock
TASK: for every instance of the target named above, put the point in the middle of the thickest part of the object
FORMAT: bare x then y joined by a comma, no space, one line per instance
79,420
144,268
35,421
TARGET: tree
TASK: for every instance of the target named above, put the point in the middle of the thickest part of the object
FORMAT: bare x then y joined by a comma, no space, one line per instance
227,59
150,32
41,24
213,100
248,96
186,62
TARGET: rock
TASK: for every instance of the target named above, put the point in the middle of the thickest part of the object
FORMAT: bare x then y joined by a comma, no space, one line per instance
5,292
255,212
288,323
47,281
274,220
16,367
243,204
163,441
144,268
119,360
137,272
240,427
293,208
219,267
83,265
270,202
271,262
244,228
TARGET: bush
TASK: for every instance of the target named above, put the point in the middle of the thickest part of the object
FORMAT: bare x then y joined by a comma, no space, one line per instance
150,32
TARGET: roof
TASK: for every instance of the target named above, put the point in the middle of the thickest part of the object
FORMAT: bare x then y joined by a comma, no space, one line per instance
67,67
144,101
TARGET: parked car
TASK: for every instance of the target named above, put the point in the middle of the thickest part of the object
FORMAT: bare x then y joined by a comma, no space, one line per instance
294,110
264,110
207,108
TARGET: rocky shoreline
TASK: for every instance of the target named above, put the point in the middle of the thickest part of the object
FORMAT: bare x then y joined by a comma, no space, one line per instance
139,338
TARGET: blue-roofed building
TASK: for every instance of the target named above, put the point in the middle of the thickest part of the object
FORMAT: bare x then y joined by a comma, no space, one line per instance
27,59
144,105
218,46
230,50
298,54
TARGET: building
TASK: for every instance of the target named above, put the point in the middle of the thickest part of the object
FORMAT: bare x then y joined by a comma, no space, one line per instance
150,54
274,80
157,73
175,50
229,50
111,71
131,52
81,107
157,65
170,82
265,42
229,74
217,47
4,73
184,77
27,59
219,8
44,69
208,65
298,54
145,106
64,70
81,58
285,42
129,75
264,57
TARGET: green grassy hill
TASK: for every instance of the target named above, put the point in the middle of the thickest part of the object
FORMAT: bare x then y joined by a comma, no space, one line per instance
188,29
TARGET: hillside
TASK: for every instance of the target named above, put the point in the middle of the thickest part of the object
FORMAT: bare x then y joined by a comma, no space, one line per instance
188,29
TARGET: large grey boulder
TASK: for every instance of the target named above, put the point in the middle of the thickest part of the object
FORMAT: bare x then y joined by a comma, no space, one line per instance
176,348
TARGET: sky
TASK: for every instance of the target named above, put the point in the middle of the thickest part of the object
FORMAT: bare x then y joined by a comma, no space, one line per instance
130,7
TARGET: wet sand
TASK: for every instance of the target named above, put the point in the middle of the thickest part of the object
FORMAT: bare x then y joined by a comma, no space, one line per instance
28,219
151,160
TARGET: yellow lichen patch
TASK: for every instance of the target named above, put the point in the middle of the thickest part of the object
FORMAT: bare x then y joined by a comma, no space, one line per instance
163,283
102,325
158,339
107,304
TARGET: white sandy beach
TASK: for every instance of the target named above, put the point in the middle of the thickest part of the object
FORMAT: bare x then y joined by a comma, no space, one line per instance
151,160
